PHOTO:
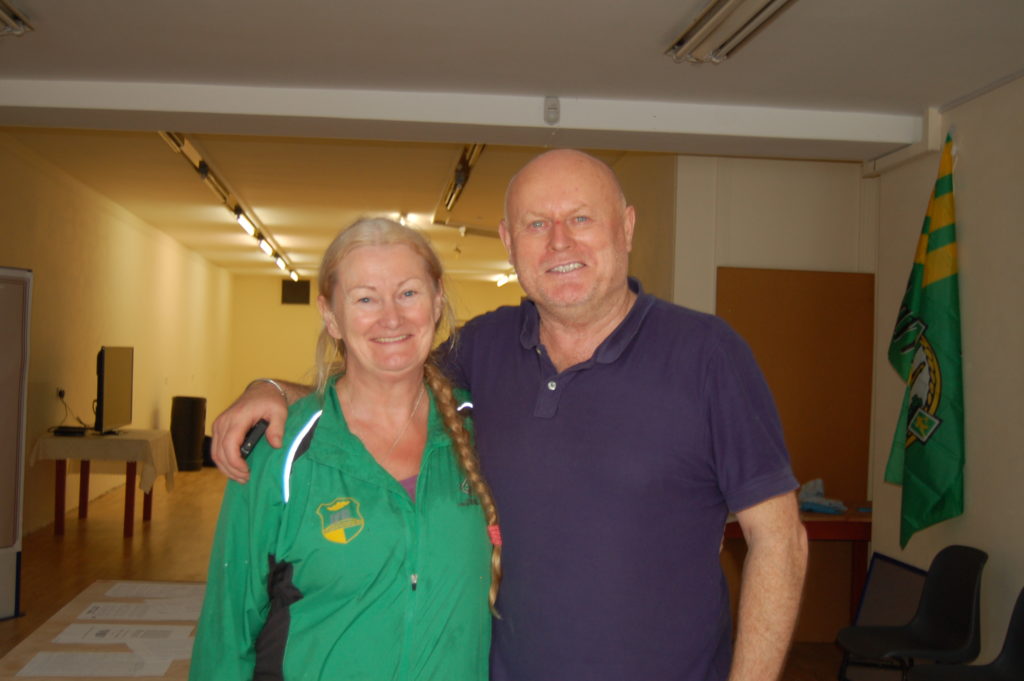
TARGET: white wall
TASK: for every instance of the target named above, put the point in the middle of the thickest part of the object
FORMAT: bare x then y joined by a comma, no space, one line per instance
988,177
773,214
102,277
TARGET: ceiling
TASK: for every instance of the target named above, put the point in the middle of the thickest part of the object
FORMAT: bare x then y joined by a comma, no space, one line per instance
315,113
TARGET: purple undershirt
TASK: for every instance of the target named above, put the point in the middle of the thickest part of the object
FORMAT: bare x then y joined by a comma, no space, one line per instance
410,486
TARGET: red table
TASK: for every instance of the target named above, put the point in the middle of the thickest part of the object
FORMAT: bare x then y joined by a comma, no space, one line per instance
853,526
151,448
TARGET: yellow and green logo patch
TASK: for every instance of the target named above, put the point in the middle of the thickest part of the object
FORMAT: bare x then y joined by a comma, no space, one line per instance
340,520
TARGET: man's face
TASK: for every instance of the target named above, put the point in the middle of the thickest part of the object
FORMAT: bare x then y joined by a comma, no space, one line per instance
568,233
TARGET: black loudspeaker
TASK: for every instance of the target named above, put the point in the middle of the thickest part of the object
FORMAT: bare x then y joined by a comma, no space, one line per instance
294,292
188,426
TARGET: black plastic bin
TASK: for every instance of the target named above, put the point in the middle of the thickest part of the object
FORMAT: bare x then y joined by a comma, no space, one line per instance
188,427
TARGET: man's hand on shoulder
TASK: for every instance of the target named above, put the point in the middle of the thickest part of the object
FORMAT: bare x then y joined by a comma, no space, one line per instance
261,400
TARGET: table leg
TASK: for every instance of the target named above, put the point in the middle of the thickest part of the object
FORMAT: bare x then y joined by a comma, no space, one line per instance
60,480
858,575
83,490
147,506
129,500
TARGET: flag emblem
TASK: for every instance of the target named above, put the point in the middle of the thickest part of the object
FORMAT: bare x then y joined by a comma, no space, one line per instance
925,389
340,520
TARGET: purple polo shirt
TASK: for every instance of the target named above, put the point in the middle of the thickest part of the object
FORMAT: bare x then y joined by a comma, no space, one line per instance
613,479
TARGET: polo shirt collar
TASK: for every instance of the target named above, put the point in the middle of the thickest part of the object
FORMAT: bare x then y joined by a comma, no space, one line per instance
611,347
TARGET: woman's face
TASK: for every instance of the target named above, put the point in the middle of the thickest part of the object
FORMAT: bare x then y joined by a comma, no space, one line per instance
385,308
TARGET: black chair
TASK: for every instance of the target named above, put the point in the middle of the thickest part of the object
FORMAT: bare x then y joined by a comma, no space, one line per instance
1008,666
944,629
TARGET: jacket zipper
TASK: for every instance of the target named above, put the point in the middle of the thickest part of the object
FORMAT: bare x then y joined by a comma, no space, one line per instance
412,542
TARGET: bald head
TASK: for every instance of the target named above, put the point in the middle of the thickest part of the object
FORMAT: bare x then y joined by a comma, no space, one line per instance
564,165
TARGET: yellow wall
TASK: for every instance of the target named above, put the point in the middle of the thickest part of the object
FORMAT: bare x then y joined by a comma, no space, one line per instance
269,338
102,277
988,177
648,181
472,298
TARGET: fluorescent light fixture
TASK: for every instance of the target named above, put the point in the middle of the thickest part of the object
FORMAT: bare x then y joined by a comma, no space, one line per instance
722,27
244,222
12,22
506,278
460,176
413,220
191,152
293,275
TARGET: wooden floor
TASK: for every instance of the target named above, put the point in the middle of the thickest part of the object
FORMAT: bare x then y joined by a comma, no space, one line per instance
175,545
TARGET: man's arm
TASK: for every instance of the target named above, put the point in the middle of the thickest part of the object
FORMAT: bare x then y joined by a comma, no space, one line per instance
261,400
773,579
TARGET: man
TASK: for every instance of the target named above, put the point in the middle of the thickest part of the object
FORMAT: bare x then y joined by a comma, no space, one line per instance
617,432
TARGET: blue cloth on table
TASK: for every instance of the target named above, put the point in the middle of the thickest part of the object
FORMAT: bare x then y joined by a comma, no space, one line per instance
812,499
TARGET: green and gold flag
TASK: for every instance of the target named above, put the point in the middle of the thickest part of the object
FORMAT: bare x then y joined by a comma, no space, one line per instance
928,449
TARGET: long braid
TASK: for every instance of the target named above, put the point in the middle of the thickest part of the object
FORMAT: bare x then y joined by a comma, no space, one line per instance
442,389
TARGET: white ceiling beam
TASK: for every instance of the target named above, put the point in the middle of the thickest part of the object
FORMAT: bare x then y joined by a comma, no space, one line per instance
644,125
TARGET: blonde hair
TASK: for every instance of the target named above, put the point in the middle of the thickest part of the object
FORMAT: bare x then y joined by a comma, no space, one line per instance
330,353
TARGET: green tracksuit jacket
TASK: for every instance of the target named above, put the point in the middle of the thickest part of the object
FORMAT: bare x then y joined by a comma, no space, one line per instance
367,584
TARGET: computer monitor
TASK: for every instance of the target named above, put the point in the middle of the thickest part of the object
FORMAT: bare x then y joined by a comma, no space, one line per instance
114,374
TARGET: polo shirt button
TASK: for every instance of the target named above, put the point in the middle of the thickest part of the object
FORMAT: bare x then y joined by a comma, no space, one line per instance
552,385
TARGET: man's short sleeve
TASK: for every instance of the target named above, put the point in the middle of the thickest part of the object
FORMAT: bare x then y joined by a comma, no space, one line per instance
750,454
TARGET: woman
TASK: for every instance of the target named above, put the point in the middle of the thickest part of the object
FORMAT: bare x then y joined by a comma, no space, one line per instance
359,550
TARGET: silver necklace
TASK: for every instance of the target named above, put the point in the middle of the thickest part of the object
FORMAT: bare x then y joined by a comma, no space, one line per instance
419,398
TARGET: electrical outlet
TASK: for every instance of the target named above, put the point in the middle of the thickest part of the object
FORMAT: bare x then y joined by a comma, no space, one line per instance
60,393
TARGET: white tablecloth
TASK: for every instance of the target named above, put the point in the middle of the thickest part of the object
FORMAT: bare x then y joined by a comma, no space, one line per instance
151,448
